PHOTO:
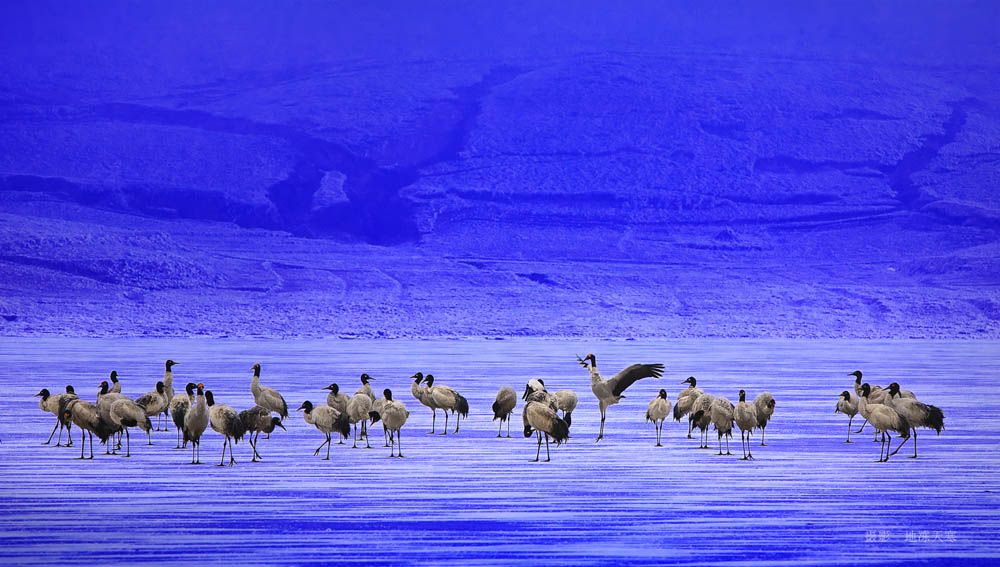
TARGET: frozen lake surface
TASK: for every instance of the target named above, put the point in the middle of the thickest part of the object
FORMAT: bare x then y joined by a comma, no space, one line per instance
472,499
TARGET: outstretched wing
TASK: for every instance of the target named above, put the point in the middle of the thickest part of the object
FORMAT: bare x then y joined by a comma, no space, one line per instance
633,373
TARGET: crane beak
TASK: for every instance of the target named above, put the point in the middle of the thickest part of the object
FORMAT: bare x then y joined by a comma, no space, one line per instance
281,426
327,388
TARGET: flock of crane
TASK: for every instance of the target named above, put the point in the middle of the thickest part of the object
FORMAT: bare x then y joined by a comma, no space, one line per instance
194,411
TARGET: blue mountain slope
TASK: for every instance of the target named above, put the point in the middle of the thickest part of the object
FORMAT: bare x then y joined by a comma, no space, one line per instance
666,170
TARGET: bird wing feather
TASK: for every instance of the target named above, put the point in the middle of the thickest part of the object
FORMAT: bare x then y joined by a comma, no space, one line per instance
619,382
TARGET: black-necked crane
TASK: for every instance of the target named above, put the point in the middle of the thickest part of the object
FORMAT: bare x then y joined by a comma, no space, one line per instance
327,420
609,392
448,399
870,395
257,420
722,418
566,402
701,417
917,414
534,391
745,416
883,418
195,422
125,414
393,415
847,405
685,402
168,394
177,407
877,395
226,421
105,398
116,385
338,401
657,412
267,397
154,403
764,405
420,392
357,414
85,415
504,406
541,419
366,388
56,405
377,406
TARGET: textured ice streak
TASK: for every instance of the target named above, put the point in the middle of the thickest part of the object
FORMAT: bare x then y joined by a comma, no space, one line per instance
476,500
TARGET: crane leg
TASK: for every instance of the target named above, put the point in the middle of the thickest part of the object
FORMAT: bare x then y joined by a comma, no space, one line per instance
914,444
762,429
690,424
458,422
128,444
91,444
499,431
445,432
385,435
53,432
255,440
601,434
399,444
539,451
328,443
508,426
83,443
849,430
59,439
355,446
434,416
192,452
149,437
727,444
232,459
547,457
367,444
862,427
720,444
223,459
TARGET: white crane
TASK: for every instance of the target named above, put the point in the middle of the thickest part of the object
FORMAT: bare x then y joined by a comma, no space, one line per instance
685,402
609,392
543,420
745,416
917,414
504,406
722,418
195,422
327,420
447,399
764,404
883,418
226,421
177,407
267,397
153,403
256,420
394,415
657,411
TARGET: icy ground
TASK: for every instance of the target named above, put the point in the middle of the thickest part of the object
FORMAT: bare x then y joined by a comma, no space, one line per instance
472,499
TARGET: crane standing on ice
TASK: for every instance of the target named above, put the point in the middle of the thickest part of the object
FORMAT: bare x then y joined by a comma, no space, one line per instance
609,392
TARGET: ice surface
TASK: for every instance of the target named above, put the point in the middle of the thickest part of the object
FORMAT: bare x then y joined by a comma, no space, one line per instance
472,499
